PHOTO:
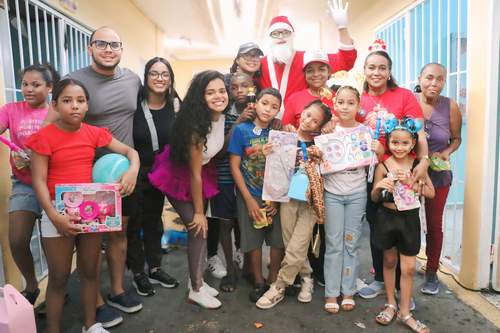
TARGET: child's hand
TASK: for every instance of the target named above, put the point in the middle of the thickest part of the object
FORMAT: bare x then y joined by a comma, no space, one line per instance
199,224
377,148
267,148
329,127
64,225
289,128
403,176
386,184
271,208
127,182
253,209
248,114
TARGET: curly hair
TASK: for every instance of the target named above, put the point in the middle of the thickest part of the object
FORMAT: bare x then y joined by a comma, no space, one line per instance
193,122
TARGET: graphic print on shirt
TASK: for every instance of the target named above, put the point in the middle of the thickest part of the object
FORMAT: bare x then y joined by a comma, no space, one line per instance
253,164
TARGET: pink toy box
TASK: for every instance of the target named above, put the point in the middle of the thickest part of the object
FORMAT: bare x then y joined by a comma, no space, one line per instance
16,313
98,205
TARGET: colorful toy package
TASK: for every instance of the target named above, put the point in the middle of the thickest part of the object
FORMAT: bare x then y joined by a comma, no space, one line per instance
280,165
98,205
346,149
404,196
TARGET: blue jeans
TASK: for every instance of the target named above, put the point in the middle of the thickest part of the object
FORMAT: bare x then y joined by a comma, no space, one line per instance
344,216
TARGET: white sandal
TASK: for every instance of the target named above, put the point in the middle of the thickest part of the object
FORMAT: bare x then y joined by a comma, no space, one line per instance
419,326
331,307
348,301
384,317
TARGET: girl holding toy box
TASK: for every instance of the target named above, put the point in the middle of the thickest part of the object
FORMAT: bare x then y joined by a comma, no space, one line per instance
63,152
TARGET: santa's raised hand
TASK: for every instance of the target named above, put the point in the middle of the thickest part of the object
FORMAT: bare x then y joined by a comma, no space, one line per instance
338,13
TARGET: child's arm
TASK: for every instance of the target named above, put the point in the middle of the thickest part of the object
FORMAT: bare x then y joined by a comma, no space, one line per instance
378,149
199,222
428,190
39,167
380,182
129,178
251,203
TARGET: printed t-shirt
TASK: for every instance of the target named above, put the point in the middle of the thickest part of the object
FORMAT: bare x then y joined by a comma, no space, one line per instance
22,121
247,142
71,154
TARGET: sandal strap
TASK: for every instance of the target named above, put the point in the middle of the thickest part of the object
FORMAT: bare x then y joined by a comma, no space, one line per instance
392,306
348,301
419,326
331,305
405,318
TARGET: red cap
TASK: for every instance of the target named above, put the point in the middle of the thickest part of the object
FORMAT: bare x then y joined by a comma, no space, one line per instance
280,22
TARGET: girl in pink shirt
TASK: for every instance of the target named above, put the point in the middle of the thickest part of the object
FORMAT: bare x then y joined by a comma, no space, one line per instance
23,119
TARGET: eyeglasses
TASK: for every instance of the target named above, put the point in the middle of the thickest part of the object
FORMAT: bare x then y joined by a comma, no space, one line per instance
251,56
103,45
281,33
155,75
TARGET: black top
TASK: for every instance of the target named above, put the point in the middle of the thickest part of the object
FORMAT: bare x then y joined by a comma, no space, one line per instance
163,120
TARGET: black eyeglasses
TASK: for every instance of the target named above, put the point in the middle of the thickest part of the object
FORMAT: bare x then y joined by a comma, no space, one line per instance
155,75
102,45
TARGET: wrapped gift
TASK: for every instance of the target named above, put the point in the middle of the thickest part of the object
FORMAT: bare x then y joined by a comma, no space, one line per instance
99,206
280,165
345,149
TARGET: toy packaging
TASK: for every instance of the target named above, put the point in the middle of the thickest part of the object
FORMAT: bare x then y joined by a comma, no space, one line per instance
345,149
280,165
98,205
405,197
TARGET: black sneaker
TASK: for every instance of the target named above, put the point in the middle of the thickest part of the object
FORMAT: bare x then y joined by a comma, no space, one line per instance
31,296
142,285
107,316
162,278
125,302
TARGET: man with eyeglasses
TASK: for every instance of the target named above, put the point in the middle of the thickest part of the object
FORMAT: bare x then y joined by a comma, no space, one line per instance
113,94
283,68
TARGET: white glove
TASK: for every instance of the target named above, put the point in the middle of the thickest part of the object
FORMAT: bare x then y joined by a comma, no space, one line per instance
339,14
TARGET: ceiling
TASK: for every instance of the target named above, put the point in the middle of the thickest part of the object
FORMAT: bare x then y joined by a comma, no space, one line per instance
204,29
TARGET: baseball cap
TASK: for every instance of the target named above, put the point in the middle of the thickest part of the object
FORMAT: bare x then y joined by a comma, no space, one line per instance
247,47
315,56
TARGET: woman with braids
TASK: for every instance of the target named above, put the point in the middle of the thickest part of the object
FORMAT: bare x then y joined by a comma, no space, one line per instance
183,172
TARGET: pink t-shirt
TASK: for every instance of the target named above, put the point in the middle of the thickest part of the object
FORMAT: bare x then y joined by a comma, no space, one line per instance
22,121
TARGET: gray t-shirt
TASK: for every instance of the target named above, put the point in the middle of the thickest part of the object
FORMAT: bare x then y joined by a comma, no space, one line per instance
113,100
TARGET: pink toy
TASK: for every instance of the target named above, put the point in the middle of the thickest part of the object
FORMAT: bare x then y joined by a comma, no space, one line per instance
73,199
89,210
19,156
16,313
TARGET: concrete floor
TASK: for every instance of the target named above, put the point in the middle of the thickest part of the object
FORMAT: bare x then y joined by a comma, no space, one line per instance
169,312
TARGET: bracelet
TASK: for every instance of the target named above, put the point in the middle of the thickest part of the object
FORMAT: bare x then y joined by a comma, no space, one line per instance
425,157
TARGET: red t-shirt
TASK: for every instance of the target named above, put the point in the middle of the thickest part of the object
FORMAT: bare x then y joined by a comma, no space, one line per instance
343,60
295,105
71,154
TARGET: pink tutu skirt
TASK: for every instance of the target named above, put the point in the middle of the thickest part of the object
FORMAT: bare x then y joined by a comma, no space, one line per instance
174,180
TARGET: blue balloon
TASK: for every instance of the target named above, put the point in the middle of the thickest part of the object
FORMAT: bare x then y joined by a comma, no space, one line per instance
109,168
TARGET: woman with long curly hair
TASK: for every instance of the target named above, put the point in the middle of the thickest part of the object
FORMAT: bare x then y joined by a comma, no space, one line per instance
183,172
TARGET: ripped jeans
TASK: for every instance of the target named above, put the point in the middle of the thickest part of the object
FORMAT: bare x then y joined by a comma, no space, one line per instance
344,216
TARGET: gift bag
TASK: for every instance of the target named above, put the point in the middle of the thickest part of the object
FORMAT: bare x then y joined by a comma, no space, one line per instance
300,181
16,313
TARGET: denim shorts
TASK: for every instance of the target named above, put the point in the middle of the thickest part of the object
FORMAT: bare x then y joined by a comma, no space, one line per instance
23,198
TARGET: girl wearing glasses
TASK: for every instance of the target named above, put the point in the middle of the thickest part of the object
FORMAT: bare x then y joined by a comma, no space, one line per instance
443,122
247,61
157,104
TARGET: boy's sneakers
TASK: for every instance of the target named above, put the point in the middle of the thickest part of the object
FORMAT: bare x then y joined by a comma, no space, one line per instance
204,299
413,305
161,277
143,285
306,290
372,290
216,267
96,328
271,297
125,303
107,316
431,284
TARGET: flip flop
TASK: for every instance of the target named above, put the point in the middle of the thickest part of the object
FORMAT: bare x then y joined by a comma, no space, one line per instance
348,304
332,308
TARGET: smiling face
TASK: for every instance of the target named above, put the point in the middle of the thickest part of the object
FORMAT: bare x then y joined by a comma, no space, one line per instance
432,81
267,107
346,105
401,143
216,96
108,58
316,74
311,119
158,78
35,89
377,71
72,105
249,62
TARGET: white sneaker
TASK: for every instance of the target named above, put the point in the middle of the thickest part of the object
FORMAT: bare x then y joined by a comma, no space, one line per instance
203,299
306,290
216,267
96,328
205,287
271,297
238,258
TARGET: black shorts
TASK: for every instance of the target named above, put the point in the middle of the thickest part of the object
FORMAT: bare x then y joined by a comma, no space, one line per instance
400,229
223,205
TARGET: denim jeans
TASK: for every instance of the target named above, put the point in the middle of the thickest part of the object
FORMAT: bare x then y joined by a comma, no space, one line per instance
344,216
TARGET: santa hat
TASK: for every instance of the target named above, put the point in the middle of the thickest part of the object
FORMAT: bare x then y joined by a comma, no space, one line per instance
280,22
378,45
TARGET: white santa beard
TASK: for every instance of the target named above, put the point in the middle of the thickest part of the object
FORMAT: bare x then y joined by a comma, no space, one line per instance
282,53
